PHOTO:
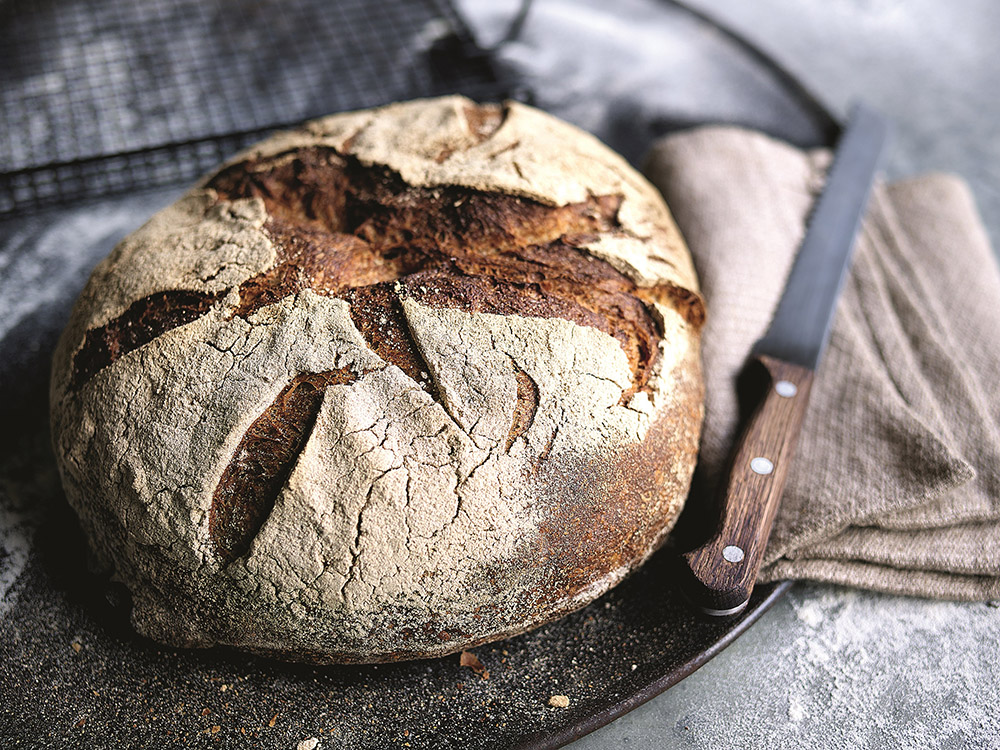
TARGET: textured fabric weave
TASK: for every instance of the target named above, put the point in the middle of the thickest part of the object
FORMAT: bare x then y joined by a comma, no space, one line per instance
896,481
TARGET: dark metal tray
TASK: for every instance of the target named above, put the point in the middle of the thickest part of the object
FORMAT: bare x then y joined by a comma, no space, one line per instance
72,672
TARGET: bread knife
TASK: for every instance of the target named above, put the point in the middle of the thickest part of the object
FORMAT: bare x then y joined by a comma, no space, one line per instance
719,576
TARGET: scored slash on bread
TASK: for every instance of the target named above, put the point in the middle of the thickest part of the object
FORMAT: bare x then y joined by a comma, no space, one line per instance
386,387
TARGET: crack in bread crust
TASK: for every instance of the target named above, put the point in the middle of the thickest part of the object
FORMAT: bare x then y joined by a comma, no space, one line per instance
143,321
262,462
525,408
340,225
378,315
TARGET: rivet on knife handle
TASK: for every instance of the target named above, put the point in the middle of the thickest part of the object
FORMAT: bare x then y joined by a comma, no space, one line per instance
723,571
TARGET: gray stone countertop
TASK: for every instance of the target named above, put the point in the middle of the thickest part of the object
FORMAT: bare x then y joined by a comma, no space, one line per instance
829,666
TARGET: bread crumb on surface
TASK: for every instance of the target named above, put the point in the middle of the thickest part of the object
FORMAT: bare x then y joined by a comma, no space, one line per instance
470,660
559,701
76,646
308,744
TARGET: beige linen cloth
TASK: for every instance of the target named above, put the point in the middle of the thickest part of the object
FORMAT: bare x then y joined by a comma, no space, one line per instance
896,481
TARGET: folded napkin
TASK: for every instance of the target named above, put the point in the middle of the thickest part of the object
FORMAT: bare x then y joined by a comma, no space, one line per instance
896,480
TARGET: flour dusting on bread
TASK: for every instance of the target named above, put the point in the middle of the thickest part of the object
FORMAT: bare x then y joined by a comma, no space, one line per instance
394,384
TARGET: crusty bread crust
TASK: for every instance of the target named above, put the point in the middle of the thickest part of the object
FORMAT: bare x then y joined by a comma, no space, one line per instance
398,383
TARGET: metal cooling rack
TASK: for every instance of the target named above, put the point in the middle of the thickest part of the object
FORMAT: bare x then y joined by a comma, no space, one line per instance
101,97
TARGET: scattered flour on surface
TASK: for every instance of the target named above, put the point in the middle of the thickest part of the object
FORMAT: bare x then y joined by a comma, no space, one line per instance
810,614
834,667
16,531
796,711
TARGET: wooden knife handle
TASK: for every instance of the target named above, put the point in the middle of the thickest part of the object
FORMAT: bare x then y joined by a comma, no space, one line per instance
721,573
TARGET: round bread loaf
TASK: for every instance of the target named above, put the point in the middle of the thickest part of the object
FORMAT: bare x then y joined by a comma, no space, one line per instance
389,386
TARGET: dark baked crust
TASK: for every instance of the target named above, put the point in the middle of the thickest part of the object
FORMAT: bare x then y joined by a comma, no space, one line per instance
263,460
341,226
142,322
351,231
